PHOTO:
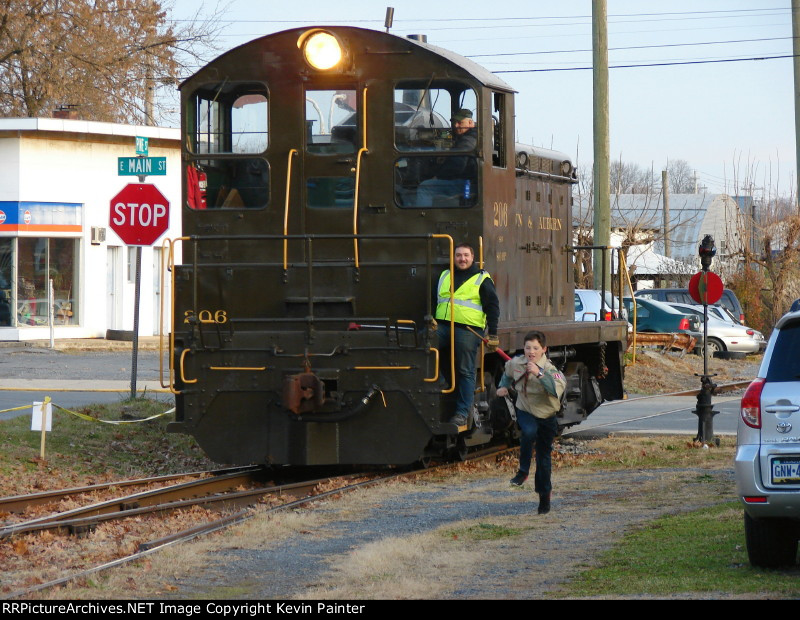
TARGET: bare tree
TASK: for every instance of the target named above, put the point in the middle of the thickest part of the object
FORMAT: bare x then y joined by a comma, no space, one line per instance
627,178
105,57
681,177
769,253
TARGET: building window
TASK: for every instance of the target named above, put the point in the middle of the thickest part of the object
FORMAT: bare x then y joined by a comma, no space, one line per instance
6,280
40,261
131,264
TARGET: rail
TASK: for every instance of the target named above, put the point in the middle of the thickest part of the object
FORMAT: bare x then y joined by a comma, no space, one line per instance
292,153
362,151
192,263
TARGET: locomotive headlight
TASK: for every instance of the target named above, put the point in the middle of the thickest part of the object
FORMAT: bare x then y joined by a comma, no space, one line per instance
321,50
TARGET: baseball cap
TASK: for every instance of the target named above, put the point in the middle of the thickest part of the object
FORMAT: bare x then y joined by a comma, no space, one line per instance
462,114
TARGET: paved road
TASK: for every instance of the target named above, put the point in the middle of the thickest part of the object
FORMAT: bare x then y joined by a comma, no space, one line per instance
28,374
673,414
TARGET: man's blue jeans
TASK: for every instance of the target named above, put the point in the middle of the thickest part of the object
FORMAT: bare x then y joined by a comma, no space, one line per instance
542,432
466,349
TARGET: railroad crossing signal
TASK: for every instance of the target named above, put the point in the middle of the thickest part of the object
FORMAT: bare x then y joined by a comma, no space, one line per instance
139,214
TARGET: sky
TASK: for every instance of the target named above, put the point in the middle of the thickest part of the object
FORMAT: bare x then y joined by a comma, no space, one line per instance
681,79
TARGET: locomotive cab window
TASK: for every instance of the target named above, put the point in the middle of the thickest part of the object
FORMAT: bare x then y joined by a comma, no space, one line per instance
331,121
226,122
424,114
229,118
437,120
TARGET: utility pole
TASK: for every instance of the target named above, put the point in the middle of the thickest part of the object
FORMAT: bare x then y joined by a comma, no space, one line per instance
796,64
665,197
602,183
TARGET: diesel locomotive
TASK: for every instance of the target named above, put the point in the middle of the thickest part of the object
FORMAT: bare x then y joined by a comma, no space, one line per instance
302,329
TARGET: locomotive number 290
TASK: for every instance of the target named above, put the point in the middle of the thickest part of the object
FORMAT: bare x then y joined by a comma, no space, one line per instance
207,316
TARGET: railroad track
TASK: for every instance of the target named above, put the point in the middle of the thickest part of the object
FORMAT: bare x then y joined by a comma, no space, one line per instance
221,490
224,493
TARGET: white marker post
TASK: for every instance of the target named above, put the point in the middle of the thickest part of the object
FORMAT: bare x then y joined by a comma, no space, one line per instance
42,420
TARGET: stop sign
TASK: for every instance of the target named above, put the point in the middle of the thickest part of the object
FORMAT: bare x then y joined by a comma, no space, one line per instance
139,214
706,287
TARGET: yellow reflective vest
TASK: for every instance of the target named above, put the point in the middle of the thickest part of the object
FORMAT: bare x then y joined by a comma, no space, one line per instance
466,301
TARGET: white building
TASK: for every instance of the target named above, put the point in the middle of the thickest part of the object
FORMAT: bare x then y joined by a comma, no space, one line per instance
637,220
57,179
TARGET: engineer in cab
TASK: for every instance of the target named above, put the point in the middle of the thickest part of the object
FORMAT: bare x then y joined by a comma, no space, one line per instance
457,174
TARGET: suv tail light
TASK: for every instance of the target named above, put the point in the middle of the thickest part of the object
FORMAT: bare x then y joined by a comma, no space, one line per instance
741,319
684,324
751,404
608,316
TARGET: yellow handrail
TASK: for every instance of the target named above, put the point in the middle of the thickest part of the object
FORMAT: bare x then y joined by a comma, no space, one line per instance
183,376
624,266
435,367
362,151
164,244
292,152
383,367
452,320
171,268
481,387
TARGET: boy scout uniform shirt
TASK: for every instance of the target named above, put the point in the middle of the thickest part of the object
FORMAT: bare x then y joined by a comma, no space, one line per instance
539,397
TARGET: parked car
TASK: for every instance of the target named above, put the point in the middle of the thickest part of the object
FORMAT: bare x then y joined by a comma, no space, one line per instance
587,306
654,316
724,335
682,296
767,462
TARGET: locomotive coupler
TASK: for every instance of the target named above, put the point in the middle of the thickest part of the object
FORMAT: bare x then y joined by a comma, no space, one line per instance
303,393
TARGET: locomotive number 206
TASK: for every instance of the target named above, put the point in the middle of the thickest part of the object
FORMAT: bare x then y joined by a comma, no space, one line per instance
207,316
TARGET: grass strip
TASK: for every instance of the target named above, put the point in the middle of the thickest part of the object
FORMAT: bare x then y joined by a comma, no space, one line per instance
701,551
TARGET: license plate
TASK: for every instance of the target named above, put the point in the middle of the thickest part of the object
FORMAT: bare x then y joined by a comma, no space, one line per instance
786,470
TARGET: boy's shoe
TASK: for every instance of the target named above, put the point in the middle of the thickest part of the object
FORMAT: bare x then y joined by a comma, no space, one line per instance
519,478
544,503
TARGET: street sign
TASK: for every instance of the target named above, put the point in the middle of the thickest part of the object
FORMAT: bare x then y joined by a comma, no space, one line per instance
141,145
139,214
141,166
706,287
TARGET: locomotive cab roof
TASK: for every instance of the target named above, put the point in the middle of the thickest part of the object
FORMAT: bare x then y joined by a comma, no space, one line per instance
360,41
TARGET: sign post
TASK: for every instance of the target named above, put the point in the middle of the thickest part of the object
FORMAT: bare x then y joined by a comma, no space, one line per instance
706,287
139,214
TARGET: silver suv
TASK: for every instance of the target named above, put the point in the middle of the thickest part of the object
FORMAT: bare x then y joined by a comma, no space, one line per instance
767,461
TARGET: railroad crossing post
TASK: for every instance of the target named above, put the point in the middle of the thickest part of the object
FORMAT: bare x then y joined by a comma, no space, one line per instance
705,410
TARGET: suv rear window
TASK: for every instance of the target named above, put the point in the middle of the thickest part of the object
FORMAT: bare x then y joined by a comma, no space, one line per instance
785,363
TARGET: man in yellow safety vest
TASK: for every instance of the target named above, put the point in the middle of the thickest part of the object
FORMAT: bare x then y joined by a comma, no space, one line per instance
475,305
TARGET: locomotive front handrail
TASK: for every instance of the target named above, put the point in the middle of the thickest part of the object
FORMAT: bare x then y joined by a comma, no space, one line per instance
170,265
255,368
452,387
292,152
435,377
362,151
196,240
183,376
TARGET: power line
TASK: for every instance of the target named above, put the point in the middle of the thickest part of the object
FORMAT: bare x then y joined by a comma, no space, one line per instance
654,64
631,47
731,13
